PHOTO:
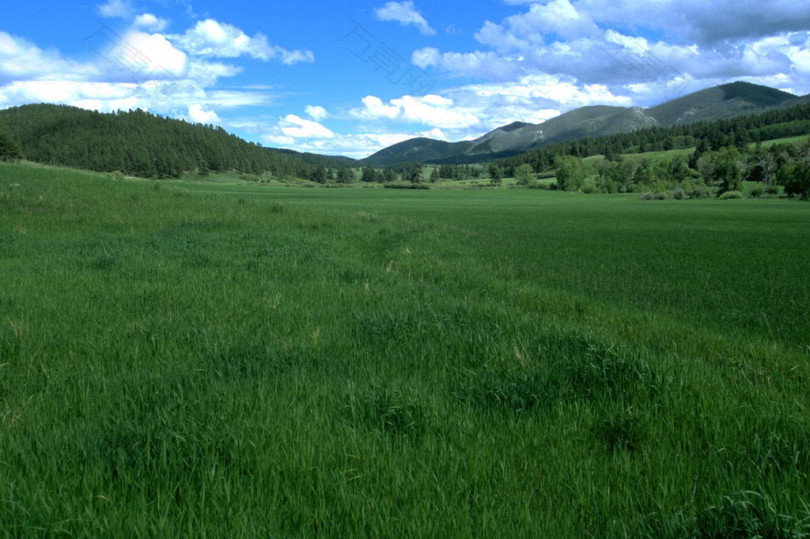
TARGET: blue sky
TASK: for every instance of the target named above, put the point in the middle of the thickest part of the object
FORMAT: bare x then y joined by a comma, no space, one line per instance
352,78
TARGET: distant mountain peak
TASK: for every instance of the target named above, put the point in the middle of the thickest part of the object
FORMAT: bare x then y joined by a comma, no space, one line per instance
514,126
757,95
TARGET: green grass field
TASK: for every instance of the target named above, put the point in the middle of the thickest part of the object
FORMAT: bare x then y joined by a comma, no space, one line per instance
213,359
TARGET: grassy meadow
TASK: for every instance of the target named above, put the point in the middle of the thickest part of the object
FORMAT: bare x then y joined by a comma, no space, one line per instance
214,359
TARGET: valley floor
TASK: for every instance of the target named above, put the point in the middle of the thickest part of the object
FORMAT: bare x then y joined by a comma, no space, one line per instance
210,359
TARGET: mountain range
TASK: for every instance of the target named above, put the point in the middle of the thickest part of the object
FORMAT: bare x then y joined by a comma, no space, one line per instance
720,102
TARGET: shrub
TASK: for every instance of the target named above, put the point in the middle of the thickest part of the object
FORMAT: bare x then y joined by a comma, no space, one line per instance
524,174
406,185
589,188
700,191
654,196
730,195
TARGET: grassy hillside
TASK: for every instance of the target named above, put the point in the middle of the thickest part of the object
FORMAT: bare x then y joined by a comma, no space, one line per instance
208,359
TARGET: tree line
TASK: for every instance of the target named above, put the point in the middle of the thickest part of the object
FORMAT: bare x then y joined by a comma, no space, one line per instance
705,172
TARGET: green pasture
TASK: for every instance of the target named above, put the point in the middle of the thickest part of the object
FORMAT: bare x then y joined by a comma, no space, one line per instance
237,359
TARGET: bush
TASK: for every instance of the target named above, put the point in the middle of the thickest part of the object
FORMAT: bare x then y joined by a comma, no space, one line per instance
406,185
590,188
765,191
654,196
730,195
700,191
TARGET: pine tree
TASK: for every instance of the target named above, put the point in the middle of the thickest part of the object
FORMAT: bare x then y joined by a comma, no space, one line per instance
9,150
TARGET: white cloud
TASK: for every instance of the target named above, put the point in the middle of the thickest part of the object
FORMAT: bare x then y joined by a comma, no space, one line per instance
533,98
502,39
300,133
121,9
297,127
558,18
143,70
316,113
431,110
150,22
201,116
680,21
237,98
599,42
426,57
211,38
593,42
150,55
637,45
206,73
100,96
375,108
22,60
293,57
477,64
406,14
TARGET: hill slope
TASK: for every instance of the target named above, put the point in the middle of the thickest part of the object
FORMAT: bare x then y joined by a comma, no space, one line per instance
140,144
721,102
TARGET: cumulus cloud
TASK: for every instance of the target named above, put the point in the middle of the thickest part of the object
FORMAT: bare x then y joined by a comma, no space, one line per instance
140,70
406,14
22,60
150,22
697,22
89,95
201,116
691,21
431,110
375,108
476,64
211,38
297,127
115,9
594,42
426,57
533,98
543,23
316,113
150,55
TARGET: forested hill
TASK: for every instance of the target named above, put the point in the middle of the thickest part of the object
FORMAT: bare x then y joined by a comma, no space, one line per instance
739,132
142,144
